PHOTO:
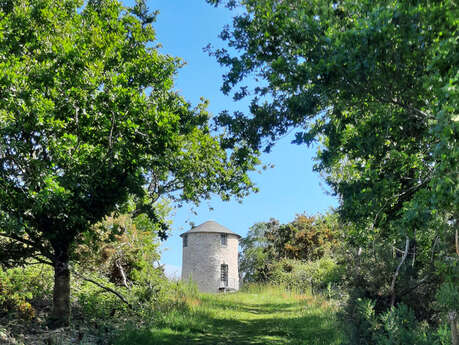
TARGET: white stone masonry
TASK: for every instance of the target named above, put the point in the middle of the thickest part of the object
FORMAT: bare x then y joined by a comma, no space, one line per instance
203,257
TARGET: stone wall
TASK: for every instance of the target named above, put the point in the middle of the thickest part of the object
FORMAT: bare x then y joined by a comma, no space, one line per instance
203,257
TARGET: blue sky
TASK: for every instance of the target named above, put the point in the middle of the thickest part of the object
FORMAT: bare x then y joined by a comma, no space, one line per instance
183,28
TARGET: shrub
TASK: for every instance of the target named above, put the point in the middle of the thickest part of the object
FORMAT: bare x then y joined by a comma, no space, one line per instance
304,276
306,238
448,298
95,303
397,326
370,273
20,287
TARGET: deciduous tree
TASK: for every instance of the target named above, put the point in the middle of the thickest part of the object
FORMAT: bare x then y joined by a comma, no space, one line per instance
88,117
254,258
375,84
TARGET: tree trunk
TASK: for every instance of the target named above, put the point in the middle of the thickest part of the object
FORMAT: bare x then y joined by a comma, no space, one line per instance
60,315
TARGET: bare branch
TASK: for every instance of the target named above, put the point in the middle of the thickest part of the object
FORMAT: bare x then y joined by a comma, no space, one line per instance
457,242
106,288
123,275
433,250
392,286
110,137
398,250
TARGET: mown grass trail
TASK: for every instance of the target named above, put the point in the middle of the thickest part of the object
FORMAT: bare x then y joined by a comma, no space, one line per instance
266,317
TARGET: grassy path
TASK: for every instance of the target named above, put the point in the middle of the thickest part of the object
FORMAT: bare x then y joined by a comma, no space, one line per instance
268,317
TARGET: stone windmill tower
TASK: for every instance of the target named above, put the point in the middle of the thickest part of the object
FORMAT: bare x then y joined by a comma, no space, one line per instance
210,257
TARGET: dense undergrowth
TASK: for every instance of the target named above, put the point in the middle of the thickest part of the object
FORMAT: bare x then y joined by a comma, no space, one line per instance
175,314
291,311
292,294
386,299
300,287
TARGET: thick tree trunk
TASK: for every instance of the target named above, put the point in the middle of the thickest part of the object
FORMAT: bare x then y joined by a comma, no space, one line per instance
60,315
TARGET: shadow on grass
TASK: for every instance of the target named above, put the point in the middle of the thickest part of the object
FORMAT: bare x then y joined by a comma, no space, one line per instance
255,308
308,330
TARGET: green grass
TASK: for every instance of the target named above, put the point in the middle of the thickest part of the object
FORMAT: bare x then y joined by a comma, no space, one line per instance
258,316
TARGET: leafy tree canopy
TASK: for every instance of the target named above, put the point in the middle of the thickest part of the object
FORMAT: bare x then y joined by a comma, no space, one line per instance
374,84
88,117
253,258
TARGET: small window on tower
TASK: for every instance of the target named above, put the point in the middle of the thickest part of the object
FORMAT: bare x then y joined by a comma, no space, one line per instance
185,240
224,274
224,239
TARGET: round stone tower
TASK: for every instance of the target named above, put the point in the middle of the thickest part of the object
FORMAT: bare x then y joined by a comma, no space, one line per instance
210,257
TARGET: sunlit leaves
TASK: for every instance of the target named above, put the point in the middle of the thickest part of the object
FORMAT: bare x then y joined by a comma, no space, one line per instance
373,82
88,116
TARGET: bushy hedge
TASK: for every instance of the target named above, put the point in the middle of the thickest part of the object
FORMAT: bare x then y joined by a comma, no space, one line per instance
306,276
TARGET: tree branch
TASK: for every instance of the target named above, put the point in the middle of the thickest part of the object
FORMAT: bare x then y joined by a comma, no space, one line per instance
106,288
110,137
33,245
419,283
42,261
123,275
392,286
397,196
433,251
457,242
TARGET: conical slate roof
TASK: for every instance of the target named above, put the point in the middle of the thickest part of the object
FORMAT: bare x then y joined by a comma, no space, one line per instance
211,227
